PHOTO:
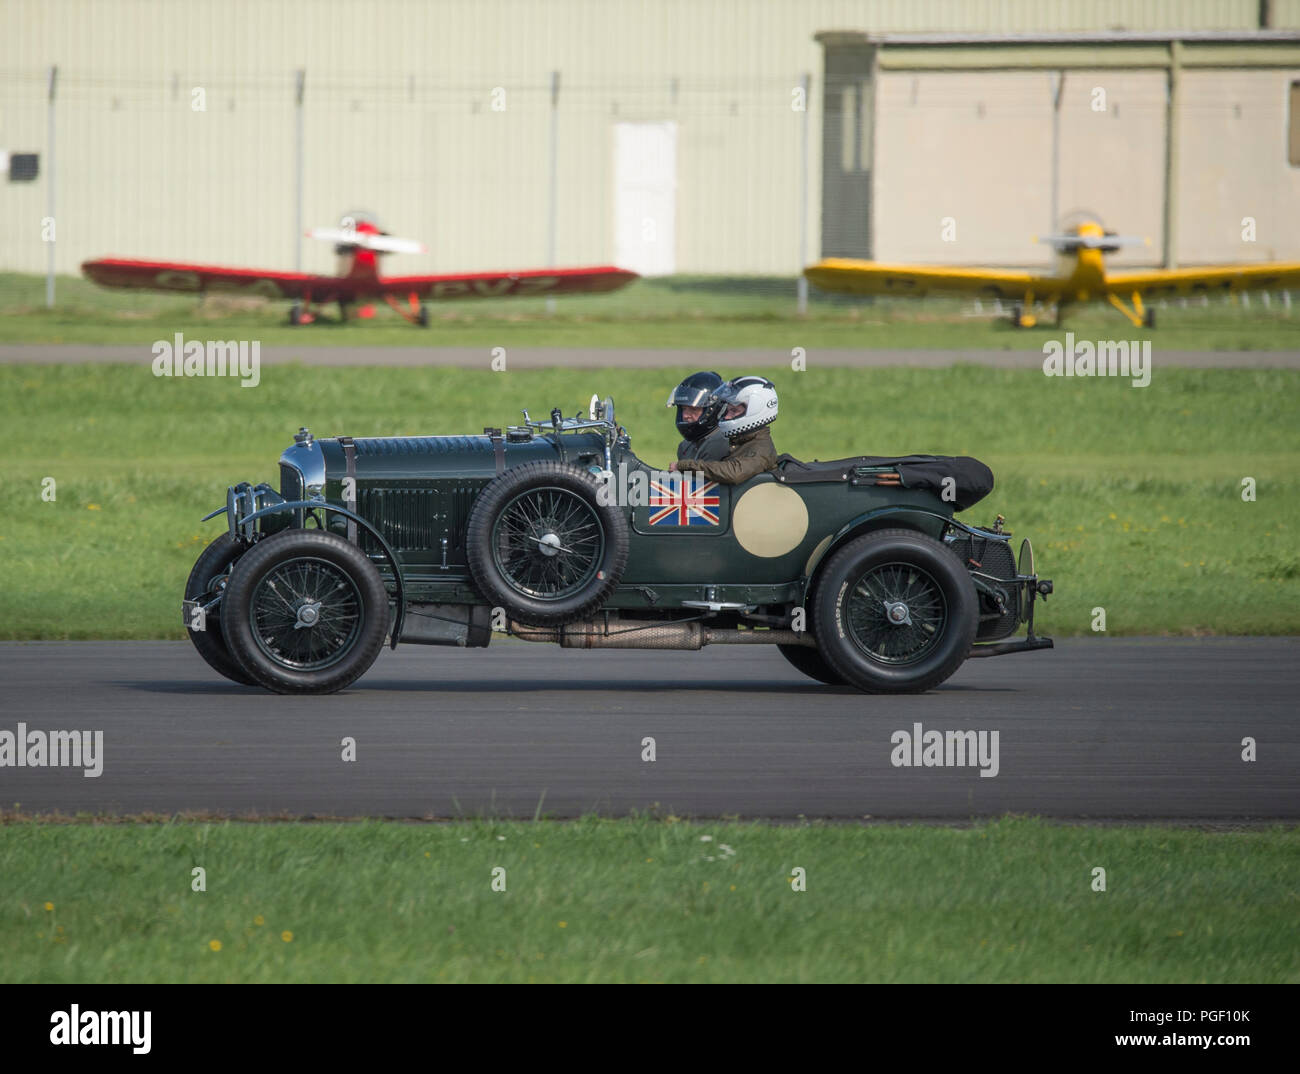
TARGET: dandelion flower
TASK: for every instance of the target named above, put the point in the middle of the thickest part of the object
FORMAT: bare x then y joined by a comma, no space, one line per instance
259,920
49,906
286,936
214,945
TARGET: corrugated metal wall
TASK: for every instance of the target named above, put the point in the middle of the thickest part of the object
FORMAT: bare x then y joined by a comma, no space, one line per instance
399,118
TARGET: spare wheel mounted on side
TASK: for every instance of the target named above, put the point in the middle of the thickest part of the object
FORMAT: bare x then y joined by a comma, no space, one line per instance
542,546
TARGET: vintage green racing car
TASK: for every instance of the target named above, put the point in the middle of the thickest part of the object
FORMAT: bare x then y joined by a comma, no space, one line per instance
854,570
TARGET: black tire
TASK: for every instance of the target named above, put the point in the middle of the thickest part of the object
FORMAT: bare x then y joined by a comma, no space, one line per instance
422,318
811,663
206,580
865,582
274,587
510,525
295,314
1149,318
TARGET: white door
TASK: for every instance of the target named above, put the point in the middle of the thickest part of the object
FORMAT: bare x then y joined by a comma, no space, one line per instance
645,197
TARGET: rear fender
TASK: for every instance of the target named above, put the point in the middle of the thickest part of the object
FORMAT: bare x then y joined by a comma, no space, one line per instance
931,523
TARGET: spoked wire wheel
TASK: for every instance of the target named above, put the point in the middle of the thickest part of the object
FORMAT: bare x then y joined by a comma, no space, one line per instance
548,543
306,614
543,545
896,613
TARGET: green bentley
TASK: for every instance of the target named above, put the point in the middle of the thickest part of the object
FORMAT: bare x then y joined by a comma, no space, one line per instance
854,570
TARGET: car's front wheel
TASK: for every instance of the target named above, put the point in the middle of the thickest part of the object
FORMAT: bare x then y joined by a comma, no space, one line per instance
305,612
895,612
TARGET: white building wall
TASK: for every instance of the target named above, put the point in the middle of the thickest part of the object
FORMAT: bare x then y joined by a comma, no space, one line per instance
399,121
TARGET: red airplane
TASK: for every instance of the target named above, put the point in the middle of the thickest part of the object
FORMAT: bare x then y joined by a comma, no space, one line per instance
359,242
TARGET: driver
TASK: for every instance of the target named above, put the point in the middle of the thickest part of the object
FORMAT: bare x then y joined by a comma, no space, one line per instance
748,407
697,418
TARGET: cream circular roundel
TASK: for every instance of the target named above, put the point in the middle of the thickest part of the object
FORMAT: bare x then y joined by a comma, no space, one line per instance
769,520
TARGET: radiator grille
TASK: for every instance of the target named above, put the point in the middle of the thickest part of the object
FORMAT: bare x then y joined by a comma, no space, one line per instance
416,519
290,482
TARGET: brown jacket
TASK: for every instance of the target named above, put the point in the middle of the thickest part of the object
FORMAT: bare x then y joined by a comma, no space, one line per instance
751,454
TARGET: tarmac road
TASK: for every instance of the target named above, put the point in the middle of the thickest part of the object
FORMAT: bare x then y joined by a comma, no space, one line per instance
1108,729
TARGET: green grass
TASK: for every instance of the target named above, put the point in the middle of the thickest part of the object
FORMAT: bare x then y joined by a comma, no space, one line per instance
673,312
1132,497
646,900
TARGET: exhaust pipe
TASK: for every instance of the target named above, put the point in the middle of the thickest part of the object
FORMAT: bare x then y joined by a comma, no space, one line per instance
661,634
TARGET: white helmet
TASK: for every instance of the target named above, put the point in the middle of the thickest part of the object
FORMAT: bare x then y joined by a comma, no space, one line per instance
756,394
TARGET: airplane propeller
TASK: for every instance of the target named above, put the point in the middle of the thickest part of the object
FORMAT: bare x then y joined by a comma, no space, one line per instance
367,240
1106,242
1082,229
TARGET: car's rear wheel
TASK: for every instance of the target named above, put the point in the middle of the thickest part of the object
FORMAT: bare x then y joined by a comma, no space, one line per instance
811,663
542,546
305,612
895,612
208,580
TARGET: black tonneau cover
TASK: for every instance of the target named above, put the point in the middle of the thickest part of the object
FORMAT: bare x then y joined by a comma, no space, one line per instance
972,480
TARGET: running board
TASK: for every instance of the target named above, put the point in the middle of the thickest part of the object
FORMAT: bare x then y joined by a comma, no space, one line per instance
1025,645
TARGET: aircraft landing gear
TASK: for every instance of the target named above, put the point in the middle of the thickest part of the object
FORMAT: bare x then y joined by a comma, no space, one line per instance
1149,318
300,313
1022,313
416,313
1021,319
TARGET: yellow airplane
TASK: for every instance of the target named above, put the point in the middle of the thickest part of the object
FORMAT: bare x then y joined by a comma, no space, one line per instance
1081,276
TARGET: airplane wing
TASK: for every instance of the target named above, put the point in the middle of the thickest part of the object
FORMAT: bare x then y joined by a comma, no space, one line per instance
196,279
173,276
499,284
855,277
1156,283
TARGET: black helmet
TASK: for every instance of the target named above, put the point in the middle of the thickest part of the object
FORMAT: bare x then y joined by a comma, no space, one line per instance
697,390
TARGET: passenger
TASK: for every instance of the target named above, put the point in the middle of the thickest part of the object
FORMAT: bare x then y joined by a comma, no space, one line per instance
748,407
697,418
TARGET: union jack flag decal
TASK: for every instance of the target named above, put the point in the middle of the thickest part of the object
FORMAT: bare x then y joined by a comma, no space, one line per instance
688,501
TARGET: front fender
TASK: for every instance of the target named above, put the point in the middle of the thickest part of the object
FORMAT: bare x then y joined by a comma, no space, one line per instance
244,524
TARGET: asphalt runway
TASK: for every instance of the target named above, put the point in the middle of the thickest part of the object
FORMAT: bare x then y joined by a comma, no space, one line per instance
633,358
1104,729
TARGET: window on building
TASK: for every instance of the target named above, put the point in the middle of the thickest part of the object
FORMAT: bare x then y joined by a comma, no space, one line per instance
23,167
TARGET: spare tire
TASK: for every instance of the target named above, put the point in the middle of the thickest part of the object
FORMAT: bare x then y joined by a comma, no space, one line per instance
542,546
